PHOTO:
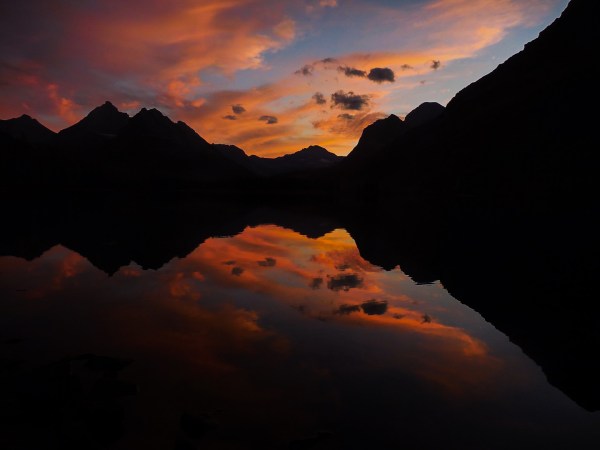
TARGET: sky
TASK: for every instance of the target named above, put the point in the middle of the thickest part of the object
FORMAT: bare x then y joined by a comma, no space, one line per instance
269,76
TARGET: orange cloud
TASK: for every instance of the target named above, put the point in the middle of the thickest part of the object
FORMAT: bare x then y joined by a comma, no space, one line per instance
184,57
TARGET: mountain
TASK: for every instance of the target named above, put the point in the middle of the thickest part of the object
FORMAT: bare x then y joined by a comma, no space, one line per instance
102,123
424,113
108,149
233,153
382,133
26,129
519,135
374,138
153,151
158,130
310,158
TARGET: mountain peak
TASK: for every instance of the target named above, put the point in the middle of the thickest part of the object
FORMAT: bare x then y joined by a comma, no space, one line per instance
152,112
375,137
104,120
423,113
107,105
151,123
27,129
314,150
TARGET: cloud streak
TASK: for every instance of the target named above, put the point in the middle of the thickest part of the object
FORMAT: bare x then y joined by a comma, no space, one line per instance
199,61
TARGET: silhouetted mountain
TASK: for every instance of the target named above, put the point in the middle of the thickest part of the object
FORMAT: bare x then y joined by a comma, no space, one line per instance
546,153
375,138
310,158
26,129
152,150
109,150
233,153
102,123
425,112
157,130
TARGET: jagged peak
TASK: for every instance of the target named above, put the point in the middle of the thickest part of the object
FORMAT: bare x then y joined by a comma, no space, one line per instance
152,112
106,108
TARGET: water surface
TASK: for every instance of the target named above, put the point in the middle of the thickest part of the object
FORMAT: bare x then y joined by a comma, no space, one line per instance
267,339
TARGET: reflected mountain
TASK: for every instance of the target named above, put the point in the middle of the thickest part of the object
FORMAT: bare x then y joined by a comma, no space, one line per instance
532,277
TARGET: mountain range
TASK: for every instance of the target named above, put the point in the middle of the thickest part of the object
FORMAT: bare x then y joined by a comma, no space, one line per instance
518,136
108,148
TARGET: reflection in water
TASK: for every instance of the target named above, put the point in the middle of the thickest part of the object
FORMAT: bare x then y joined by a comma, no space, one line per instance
268,339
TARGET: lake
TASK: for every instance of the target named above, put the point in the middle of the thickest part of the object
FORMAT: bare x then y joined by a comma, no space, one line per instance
264,338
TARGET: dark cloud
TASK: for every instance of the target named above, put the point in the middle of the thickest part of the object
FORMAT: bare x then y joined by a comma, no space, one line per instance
344,310
305,70
344,282
269,119
268,262
346,116
328,60
237,271
406,67
426,318
352,72
230,117
374,307
316,283
349,100
435,65
238,109
229,263
381,74
319,98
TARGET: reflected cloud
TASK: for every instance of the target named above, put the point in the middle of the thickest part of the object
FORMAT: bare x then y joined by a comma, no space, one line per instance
268,262
347,309
344,282
193,306
374,307
316,283
237,271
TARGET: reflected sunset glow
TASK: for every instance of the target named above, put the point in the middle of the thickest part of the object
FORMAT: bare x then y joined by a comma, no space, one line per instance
273,333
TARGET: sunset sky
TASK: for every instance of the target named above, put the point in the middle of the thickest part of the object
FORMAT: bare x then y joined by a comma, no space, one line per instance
269,76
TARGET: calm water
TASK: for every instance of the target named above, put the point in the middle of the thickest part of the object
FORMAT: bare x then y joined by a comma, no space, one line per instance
268,339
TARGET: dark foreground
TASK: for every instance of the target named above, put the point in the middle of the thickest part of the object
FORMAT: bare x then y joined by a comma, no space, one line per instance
187,323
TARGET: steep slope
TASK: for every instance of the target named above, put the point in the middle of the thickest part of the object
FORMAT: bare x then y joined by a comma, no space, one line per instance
100,125
153,151
424,113
374,139
518,135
